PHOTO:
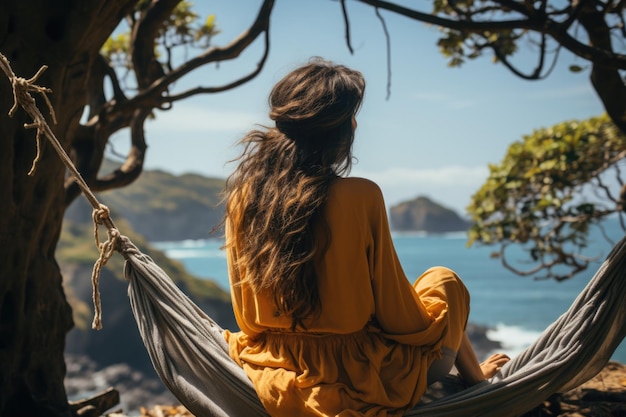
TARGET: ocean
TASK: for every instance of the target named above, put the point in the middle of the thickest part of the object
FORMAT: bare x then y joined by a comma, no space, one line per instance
515,308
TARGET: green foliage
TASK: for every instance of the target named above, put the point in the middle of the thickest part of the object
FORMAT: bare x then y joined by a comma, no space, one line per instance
205,32
116,49
181,29
460,45
575,68
535,196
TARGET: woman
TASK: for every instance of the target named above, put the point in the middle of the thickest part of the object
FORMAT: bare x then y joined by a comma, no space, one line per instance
330,325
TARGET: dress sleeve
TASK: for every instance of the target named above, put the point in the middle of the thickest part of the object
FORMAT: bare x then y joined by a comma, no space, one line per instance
399,311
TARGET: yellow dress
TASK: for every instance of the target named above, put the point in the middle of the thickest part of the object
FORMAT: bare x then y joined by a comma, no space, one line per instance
368,352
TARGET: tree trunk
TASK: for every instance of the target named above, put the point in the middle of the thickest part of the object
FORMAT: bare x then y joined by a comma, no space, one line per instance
34,314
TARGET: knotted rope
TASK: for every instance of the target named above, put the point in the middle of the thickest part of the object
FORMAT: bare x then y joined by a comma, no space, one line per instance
21,97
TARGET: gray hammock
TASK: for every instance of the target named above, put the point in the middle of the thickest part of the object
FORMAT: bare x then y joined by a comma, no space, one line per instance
190,355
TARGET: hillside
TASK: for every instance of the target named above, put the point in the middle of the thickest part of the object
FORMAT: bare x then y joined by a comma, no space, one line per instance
424,215
165,207
76,254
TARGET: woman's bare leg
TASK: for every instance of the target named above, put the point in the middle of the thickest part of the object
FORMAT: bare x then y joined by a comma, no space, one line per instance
443,283
470,369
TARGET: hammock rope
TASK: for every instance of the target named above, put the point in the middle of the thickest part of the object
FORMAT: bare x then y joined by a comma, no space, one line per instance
190,354
22,88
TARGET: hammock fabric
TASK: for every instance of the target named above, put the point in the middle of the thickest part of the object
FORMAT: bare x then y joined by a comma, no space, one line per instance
190,355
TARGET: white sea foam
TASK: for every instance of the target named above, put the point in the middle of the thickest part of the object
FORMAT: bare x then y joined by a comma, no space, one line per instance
412,233
455,235
194,253
187,243
194,243
514,339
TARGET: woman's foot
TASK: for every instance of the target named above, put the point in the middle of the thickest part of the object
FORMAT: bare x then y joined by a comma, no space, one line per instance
493,364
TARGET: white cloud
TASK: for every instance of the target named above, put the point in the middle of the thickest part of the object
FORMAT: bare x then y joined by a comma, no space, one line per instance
447,100
186,118
583,90
445,176
451,186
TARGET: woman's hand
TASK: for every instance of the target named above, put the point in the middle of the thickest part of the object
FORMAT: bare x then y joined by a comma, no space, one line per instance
493,364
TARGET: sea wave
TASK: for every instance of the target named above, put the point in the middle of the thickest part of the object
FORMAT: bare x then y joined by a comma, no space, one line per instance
194,253
455,235
187,243
514,339
411,233
424,234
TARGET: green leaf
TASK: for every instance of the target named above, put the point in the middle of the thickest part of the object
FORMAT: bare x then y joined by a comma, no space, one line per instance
575,68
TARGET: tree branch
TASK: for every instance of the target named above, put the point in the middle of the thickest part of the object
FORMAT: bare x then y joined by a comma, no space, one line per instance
388,40
145,64
468,26
522,8
147,69
536,74
537,23
216,54
605,79
346,21
133,166
152,96
118,114
507,265
95,88
229,86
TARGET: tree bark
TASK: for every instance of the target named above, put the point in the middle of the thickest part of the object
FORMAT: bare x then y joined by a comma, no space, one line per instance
606,79
34,313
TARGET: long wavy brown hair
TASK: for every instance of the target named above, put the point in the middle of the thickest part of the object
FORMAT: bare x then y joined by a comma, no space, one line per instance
277,193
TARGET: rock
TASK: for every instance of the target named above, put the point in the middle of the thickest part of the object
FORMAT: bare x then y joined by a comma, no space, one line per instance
424,215
96,405
602,396
483,346
136,389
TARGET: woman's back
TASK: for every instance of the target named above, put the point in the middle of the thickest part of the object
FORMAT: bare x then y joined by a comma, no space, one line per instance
360,255
347,353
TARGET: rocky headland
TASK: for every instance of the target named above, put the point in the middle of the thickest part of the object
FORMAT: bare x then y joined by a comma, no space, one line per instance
424,215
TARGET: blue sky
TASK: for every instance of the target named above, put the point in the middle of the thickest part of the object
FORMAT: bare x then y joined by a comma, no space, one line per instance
434,136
